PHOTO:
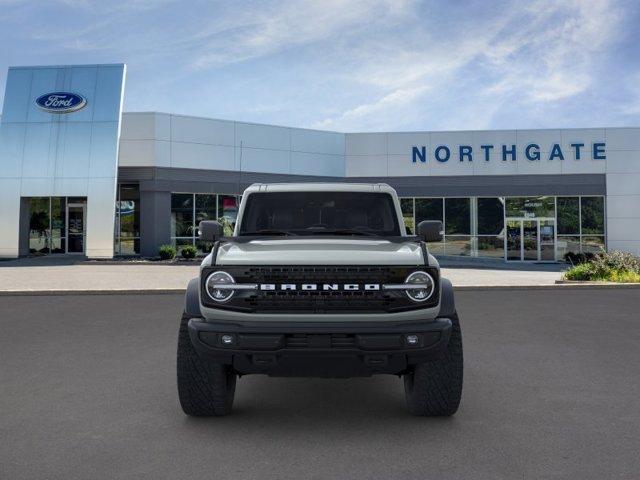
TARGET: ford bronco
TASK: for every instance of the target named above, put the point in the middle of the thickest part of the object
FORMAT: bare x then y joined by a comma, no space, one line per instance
320,280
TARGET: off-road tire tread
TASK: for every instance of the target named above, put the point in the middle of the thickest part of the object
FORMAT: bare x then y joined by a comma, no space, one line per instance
205,388
435,388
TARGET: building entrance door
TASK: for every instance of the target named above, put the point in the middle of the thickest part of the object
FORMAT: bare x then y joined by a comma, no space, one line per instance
530,239
76,220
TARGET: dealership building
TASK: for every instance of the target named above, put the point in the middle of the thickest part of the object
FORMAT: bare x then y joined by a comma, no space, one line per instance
79,176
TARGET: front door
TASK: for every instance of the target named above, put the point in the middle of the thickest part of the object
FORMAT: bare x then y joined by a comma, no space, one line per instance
530,239
75,227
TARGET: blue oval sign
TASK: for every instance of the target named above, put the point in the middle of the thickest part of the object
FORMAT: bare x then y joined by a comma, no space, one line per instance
61,102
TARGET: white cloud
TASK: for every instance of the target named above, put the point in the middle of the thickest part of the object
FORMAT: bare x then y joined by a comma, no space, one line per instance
542,53
245,34
545,63
346,64
380,108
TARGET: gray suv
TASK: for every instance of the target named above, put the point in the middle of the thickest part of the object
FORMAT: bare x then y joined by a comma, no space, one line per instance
320,280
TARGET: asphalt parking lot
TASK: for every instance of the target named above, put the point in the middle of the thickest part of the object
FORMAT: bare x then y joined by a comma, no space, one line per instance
551,390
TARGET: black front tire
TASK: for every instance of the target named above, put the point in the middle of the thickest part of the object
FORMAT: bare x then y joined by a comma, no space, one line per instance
205,388
435,388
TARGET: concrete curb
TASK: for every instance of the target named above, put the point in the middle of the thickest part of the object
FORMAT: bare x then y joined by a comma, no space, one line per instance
559,285
598,284
141,291
552,286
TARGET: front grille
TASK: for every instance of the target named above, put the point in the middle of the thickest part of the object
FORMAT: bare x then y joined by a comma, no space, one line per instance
319,301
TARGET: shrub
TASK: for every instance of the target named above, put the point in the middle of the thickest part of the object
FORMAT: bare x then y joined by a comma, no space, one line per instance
227,226
612,266
571,258
582,271
189,251
578,258
206,246
616,260
624,276
166,252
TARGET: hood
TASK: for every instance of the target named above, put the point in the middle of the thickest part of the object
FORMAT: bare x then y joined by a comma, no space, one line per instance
324,251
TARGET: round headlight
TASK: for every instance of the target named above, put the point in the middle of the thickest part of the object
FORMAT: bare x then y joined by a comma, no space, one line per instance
218,286
424,286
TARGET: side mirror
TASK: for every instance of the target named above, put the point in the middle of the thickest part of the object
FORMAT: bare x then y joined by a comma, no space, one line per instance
210,230
431,230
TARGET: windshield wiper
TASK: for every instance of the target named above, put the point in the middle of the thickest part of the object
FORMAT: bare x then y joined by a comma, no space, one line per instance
267,231
347,231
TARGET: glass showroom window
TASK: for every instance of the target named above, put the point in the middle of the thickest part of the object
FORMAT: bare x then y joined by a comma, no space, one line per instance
592,224
205,209
530,207
430,209
454,213
581,225
48,225
58,222
568,211
189,209
47,232
182,219
457,226
490,227
39,225
228,212
406,205
127,231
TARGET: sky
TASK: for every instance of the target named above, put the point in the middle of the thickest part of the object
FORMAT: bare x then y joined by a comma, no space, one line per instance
351,65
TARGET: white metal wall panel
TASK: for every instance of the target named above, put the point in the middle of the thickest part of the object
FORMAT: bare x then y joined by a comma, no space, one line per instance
200,155
202,130
623,189
315,141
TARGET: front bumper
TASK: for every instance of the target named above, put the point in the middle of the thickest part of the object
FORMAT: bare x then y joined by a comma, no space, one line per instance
320,349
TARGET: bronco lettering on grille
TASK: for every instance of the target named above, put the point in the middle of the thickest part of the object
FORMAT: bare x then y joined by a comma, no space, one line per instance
348,287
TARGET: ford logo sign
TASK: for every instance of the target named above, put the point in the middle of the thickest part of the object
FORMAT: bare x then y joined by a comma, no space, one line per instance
61,102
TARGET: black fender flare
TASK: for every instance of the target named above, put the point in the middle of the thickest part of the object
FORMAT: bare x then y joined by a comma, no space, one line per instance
447,300
192,298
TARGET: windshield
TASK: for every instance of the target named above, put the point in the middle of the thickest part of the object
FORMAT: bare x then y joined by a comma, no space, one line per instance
320,213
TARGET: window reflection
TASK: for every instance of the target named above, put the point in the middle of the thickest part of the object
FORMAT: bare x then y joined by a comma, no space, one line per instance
492,247
182,215
568,215
476,226
490,216
227,212
189,209
457,214
48,229
530,207
592,213
406,205
127,227
39,221
429,209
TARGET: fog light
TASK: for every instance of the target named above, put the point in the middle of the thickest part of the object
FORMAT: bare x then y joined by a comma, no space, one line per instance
226,339
412,339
